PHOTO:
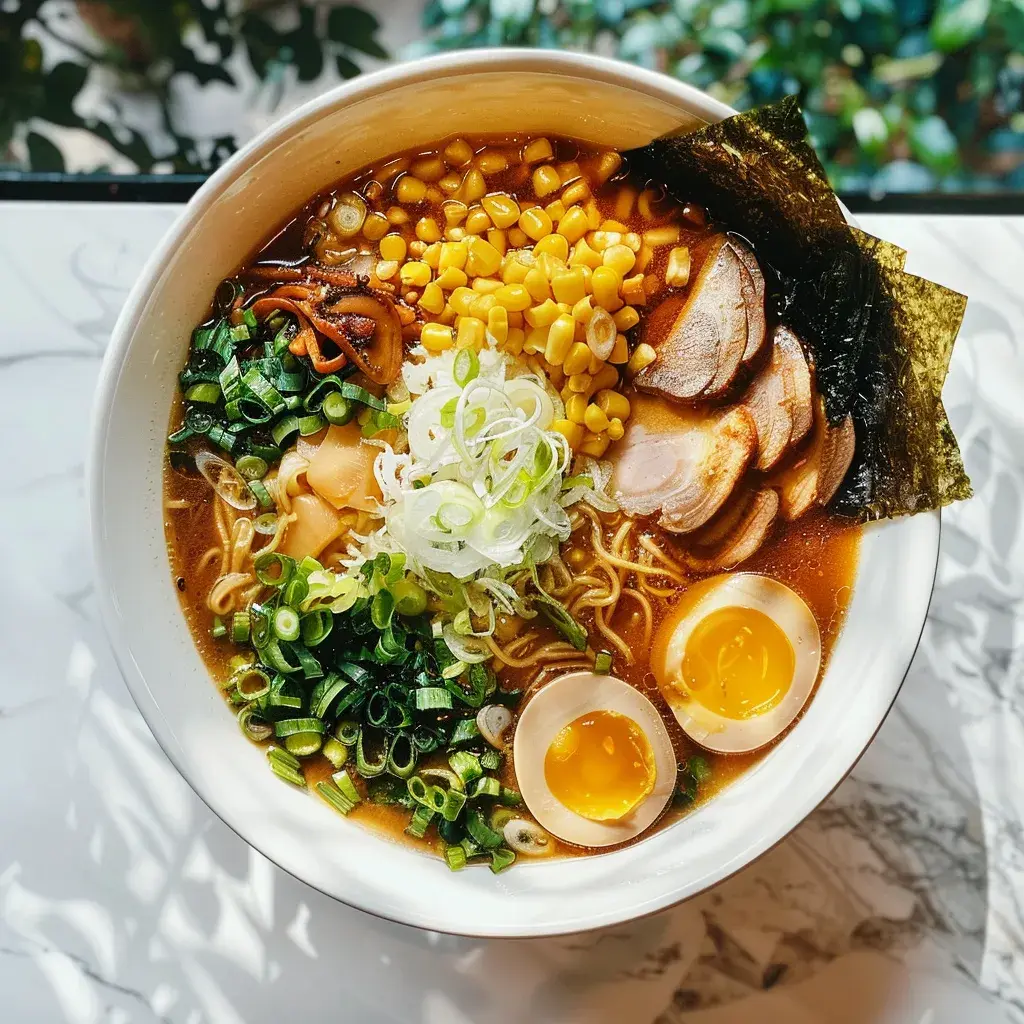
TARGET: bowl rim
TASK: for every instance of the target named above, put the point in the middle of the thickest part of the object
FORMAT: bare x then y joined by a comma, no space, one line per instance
465,62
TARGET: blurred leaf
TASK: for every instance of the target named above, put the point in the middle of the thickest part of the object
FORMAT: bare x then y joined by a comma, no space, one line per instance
346,68
957,22
354,27
307,54
933,143
203,73
871,130
63,84
43,155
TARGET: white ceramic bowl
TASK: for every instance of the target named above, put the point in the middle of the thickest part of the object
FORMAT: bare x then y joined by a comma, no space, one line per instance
472,92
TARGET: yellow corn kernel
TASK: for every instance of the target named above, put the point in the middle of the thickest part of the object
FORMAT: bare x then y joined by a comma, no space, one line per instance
417,248
476,222
375,226
555,210
536,340
605,284
615,429
578,359
569,285
593,212
584,256
579,382
546,180
536,282
455,234
450,183
473,186
453,254
396,215
436,337
668,234
513,297
386,269
535,223
454,212
484,260
633,290
608,377
626,318
414,274
643,257
515,340
677,273
632,240
485,285
642,357
572,432
575,406
447,316
458,153
583,310
607,164
560,338
556,246
461,300
574,224
450,278
410,189
432,255
554,374
596,365
497,238
491,161
517,237
428,168
501,208
645,204
516,319
432,299
497,323
620,353
613,405
537,150
611,224
595,420
603,238
624,201
542,315
577,192
513,270
470,333
548,264
482,305
393,247
595,445
569,171
620,258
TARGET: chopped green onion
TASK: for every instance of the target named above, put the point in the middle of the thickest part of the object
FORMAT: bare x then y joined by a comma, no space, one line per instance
455,857
433,698
287,624
337,409
249,317
421,819
252,467
510,797
454,801
347,732
557,614
500,817
490,760
253,725
418,790
310,424
480,832
250,682
283,429
501,858
402,757
382,609
334,797
348,788
259,488
286,766
466,731
486,786
291,726
410,597
303,744
366,768
466,366
450,831
602,663
206,392
218,629
325,692
465,765
335,752
239,333
316,626
264,564
699,768
295,591
241,624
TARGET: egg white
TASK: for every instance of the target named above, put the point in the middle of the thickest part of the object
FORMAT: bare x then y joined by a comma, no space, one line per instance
562,701
789,612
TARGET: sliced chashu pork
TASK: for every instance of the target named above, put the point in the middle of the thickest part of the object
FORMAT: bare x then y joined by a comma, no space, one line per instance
780,400
816,475
736,533
683,465
718,328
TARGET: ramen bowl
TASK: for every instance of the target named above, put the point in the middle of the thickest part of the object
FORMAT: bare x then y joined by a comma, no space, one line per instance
508,92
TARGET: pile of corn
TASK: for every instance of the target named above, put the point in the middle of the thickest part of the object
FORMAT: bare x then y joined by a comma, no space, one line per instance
553,281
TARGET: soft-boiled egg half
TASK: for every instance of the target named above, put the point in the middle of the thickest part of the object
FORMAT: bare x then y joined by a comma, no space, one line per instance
593,759
736,660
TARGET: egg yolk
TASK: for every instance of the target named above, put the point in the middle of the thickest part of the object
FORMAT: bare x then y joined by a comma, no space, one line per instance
600,765
738,662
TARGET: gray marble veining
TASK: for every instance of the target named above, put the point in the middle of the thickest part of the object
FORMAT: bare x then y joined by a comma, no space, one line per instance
122,899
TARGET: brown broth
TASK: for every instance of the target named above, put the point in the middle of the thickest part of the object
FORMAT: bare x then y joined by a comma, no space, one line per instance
816,556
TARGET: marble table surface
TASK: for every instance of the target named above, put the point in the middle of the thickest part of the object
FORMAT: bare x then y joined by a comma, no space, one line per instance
122,898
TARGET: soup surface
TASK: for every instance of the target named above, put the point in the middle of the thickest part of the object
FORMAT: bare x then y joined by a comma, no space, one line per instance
383,576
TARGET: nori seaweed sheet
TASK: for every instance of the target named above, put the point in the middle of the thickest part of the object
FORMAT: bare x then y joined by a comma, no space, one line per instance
880,338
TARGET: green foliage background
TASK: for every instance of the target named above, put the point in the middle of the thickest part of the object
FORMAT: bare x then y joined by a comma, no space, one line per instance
900,95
